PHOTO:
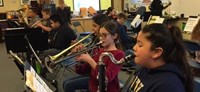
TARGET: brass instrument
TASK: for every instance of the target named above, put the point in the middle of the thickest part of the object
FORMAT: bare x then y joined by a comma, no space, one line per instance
24,17
55,57
33,25
50,65
52,61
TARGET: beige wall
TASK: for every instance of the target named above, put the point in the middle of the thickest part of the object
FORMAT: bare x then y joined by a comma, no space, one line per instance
118,5
8,5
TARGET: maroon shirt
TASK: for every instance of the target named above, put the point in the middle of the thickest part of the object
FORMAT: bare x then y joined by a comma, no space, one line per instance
111,72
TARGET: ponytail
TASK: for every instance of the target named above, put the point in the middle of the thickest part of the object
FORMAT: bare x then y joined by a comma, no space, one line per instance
170,40
181,59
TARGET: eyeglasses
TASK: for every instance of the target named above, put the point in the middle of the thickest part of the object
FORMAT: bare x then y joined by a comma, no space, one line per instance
104,35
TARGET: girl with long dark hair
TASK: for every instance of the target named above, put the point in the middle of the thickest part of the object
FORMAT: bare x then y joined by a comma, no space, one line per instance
162,56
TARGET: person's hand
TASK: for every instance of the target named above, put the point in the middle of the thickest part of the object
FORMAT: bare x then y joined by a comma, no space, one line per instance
78,48
84,58
39,24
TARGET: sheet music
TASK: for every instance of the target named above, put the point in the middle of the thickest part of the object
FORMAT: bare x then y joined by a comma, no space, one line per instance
159,20
30,80
191,23
152,19
136,21
35,82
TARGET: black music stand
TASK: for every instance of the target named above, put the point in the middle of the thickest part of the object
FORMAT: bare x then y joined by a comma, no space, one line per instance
15,41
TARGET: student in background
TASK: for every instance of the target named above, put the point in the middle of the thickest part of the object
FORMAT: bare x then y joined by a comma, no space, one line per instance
109,36
162,56
157,7
125,39
63,33
64,11
97,20
33,17
110,13
61,37
45,24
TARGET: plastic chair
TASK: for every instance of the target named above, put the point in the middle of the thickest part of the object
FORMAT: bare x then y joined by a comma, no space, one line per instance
66,64
192,45
141,10
78,24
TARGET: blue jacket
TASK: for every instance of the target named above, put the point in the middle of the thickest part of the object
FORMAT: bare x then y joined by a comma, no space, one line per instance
124,36
165,78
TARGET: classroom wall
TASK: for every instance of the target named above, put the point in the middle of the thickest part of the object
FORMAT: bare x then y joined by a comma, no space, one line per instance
118,6
8,5
178,6
188,7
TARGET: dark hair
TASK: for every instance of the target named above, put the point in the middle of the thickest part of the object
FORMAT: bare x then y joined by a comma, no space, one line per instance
109,10
113,29
56,18
34,10
173,49
176,31
100,18
47,11
122,15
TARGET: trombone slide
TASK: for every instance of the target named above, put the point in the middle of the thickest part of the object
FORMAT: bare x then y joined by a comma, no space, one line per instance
53,58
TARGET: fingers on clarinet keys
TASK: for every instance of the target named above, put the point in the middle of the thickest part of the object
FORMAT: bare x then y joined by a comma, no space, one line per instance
50,65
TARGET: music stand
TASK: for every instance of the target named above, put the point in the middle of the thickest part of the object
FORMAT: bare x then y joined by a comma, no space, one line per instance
16,42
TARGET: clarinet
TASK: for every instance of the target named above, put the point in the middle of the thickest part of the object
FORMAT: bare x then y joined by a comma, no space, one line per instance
101,65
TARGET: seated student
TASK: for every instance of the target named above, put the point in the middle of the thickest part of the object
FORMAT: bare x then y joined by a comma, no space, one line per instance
45,24
109,36
33,17
162,56
110,13
97,20
126,40
61,36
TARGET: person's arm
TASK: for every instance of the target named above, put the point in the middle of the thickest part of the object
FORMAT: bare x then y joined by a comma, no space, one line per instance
45,28
167,5
88,59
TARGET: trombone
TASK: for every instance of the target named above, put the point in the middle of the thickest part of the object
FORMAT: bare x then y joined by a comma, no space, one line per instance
52,61
55,57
